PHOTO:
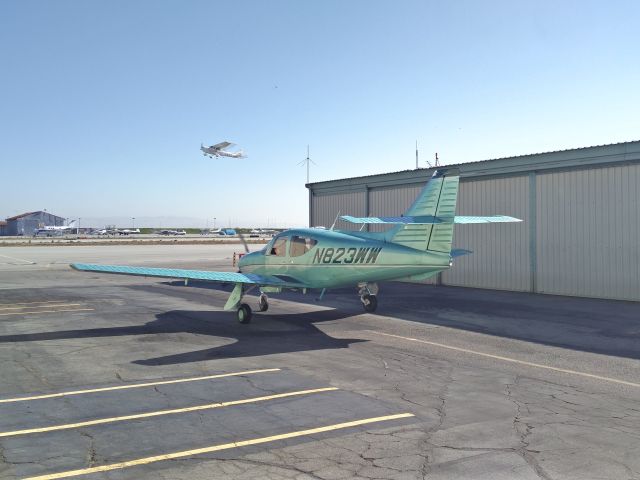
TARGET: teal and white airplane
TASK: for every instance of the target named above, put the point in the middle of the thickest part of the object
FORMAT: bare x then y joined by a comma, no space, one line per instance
417,247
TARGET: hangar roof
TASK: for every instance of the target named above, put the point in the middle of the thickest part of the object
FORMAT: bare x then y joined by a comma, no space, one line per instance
585,157
21,216
27,214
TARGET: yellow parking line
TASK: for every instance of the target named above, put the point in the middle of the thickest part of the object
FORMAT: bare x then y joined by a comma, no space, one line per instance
158,413
49,311
217,448
42,306
511,360
138,385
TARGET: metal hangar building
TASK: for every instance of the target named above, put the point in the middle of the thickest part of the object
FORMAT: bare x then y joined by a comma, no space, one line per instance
581,210
28,223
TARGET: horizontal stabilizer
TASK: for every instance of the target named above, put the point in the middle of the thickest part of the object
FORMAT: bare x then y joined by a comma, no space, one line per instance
428,220
488,219
458,252
220,277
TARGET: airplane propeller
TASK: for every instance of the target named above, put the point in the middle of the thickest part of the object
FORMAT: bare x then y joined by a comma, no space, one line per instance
244,243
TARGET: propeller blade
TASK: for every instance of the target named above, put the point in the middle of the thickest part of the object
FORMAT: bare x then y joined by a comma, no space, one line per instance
244,242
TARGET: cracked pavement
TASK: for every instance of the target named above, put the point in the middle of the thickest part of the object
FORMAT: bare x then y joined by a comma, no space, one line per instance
476,417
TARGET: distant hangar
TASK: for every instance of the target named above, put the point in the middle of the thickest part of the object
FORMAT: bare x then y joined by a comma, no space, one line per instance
581,211
28,223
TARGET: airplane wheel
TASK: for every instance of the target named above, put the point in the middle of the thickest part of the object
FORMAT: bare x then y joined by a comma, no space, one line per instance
370,303
264,303
244,314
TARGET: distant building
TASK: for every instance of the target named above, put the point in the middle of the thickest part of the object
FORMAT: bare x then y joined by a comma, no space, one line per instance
27,223
3,227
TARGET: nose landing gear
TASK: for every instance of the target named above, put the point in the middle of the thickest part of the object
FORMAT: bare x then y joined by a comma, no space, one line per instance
367,292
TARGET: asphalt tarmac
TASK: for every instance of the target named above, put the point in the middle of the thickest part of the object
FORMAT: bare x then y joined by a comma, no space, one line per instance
105,376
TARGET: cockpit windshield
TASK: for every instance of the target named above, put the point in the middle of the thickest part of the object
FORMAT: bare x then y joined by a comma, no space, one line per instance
277,247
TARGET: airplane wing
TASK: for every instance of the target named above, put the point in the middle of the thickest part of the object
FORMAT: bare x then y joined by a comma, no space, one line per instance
283,281
428,219
221,145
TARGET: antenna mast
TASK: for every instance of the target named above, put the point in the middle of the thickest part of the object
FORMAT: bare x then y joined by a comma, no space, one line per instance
416,154
307,161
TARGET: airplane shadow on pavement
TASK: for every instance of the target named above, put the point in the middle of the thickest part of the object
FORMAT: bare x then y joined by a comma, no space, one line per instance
269,334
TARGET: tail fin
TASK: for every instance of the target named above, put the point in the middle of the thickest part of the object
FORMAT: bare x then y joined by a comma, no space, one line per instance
438,199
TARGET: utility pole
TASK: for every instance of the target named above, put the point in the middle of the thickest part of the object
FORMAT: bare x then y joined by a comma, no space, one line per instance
416,154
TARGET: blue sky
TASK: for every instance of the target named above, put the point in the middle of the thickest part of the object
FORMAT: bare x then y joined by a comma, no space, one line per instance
104,104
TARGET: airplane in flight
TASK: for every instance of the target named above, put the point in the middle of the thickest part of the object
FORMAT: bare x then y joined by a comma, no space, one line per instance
416,247
218,150
50,230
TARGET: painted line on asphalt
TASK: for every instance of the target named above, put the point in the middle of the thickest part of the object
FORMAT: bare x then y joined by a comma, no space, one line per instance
511,360
49,311
217,448
137,416
2,308
138,385
30,303
27,262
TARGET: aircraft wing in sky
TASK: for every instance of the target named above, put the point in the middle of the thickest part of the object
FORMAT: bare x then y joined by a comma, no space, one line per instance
221,145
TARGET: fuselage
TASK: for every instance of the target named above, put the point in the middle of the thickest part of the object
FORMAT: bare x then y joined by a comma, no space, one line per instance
328,259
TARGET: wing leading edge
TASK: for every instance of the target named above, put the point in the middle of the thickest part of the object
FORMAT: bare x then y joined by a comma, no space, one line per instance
220,277
428,219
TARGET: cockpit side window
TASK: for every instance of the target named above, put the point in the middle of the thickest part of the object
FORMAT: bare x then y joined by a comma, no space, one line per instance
279,247
301,245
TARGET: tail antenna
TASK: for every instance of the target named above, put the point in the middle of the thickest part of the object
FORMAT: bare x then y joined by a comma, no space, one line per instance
335,221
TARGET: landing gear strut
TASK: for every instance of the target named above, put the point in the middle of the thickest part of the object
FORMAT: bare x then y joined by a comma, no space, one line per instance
263,304
368,296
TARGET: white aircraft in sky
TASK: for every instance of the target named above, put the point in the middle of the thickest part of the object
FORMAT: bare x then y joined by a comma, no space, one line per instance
218,150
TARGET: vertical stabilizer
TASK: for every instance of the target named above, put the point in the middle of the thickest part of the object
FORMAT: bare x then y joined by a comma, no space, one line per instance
438,198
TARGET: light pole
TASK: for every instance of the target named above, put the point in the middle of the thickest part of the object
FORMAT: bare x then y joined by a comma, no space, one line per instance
214,223
78,231
133,223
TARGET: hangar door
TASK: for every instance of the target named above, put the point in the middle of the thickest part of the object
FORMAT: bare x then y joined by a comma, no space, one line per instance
325,208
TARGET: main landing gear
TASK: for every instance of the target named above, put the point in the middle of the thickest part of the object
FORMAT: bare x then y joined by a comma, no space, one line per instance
367,292
244,313
263,304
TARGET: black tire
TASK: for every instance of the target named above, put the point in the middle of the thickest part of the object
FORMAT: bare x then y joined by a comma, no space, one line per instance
370,303
263,304
244,314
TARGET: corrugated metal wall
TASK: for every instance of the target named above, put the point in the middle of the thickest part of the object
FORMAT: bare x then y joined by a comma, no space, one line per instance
389,201
500,257
325,208
588,232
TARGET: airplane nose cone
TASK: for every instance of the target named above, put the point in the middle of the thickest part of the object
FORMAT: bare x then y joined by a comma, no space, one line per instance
247,259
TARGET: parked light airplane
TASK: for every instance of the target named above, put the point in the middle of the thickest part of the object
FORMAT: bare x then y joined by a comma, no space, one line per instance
218,150
417,247
55,229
